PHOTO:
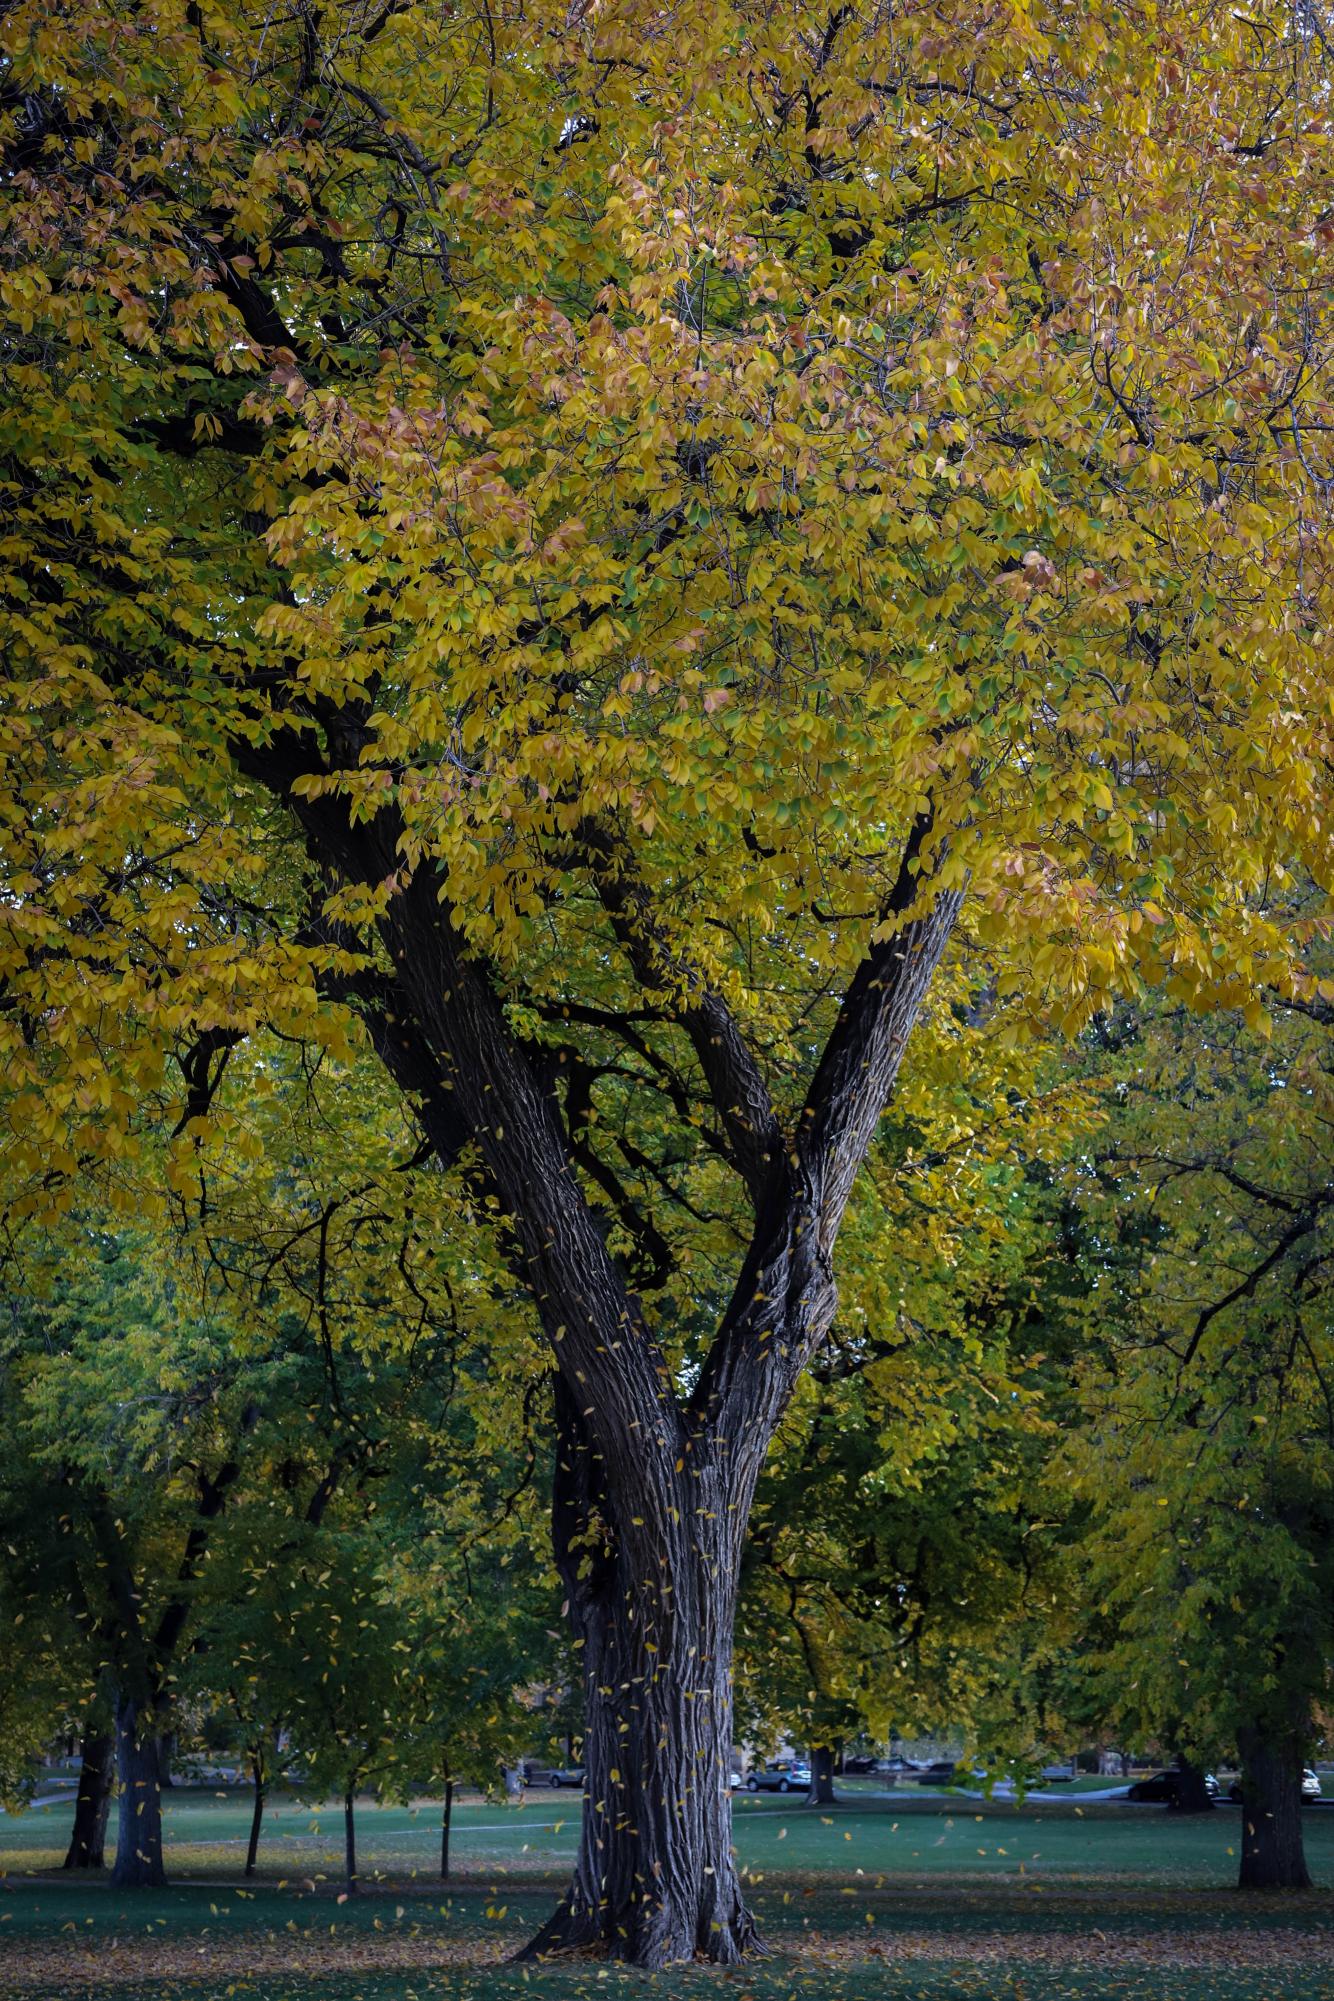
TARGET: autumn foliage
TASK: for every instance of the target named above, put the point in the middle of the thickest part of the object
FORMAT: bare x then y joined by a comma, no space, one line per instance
589,550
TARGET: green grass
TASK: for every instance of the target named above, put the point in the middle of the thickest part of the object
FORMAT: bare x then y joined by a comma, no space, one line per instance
901,1900
905,1834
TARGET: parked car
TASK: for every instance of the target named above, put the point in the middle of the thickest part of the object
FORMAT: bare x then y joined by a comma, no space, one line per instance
535,1774
1164,1789
1062,1774
897,1765
947,1772
1310,1788
860,1764
778,1779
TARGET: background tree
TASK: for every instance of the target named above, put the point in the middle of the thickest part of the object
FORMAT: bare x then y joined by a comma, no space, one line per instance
907,1565
1207,1455
46,1680
135,1413
380,1636
609,574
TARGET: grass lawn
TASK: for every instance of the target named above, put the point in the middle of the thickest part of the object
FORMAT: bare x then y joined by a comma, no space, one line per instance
899,1899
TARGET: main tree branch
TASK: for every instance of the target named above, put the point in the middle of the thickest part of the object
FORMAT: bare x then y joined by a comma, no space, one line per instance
785,1297
449,1044
856,1073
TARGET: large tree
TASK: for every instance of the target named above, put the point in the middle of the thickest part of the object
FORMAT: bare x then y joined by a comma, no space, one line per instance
606,552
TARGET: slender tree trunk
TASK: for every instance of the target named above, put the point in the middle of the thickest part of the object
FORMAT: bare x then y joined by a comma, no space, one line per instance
822,1776
446,1817
138,1862
256,1815
1192,1793
166,1751
652,1600
1272,1854
350,1841
92,1806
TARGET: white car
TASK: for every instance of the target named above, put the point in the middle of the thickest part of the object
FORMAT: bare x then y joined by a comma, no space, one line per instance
1310,1788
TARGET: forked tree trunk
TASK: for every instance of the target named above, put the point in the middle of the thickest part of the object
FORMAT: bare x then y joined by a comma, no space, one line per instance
138,1862
648,1538
92,1805
822,1777
1272,1854
652,1600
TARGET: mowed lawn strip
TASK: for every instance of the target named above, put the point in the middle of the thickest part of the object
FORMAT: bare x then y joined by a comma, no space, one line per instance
915,1840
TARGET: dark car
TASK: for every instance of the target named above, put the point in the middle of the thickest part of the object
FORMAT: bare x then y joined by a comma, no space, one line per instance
861,1763
1165,1789
947,1772
778,1779
1310,1788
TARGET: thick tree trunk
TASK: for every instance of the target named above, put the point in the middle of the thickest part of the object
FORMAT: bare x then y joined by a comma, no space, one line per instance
1272,1855
822,1776
446,1817
138,1862
87,1846
650,1553
350,1842
652,1600
256,1815
1192,1793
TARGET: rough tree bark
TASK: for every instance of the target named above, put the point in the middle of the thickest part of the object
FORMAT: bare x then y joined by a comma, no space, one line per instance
138,1863
651,1598
1272,1854
92,1805
822,1776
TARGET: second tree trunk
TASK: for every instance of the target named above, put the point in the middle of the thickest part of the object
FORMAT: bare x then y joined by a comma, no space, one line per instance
1272,1854
256,1814
822,1776
138,1862
87,1846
